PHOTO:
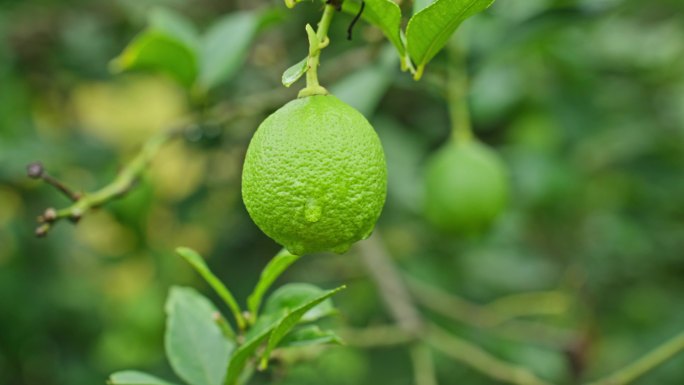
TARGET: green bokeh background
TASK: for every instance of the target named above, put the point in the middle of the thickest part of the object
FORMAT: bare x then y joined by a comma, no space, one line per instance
584,100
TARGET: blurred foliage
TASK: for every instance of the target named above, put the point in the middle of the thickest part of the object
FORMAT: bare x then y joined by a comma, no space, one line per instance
583,98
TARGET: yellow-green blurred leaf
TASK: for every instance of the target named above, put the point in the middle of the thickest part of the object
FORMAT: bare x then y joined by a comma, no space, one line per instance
159,51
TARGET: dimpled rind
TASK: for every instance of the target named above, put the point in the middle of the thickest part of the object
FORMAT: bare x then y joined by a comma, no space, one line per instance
466,187
315,177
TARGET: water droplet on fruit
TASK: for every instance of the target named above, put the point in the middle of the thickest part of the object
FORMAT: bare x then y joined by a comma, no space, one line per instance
312,211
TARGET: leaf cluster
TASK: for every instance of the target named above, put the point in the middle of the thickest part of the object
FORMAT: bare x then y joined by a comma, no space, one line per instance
204,349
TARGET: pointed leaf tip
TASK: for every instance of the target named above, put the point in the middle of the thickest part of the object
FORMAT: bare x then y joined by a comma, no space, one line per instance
429,30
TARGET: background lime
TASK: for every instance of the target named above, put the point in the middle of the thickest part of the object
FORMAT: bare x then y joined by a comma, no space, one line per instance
314,176
466,187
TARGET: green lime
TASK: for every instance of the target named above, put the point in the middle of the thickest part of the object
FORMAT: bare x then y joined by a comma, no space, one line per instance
466,187
315,177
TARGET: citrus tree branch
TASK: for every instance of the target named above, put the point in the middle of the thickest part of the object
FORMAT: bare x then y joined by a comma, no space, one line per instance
489,317
118,187
643,365
390,285
423,365
399,303
477,358
376,336
221,115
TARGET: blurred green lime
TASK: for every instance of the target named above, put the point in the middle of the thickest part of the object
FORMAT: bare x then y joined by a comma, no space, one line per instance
466,187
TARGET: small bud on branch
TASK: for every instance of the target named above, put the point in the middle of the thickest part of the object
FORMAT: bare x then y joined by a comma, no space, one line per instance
37,171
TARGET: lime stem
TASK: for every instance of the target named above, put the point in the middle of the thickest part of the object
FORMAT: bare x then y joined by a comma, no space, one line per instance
317,41
457,92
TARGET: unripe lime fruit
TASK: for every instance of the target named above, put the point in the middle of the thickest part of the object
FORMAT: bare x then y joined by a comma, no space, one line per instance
466,187
314,177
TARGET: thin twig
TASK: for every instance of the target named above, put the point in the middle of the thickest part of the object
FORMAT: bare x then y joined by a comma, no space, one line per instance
118,187
376,336
390,285
643,365
423,364
221,115
400,304
457,90
484,317
533,303
478,359
397,300
37,171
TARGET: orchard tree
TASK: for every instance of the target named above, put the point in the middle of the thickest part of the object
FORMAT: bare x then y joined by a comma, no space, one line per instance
314,180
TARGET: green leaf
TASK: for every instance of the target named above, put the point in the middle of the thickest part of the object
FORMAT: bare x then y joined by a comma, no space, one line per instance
384,14
158,51
197,262
263,329
175,25
243,353
132,377
294,295
168,45
310,335
429,30
289,321
271,272
295,72
196,347
224,47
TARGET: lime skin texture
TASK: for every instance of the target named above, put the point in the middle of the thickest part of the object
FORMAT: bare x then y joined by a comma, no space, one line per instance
315,176
466,187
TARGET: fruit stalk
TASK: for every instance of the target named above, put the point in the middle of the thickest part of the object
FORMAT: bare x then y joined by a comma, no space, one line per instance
317,41
457,90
